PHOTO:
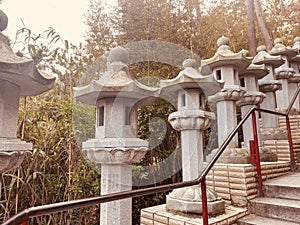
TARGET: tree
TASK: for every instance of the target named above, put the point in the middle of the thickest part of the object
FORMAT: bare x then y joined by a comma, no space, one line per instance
286,22
262,25
100,36
251,28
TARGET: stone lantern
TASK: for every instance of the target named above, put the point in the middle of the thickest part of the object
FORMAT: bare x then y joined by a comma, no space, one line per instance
226,66
191,87
295,61
115,146
18,77
285,75
252,98
268,85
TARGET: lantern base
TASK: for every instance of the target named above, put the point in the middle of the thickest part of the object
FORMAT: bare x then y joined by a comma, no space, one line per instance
12,153
189,200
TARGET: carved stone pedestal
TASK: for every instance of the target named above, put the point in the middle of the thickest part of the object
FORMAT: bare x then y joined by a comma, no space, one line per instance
189,200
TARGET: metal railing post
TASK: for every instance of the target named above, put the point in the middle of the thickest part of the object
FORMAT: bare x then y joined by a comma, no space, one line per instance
257,157
289,133
204,202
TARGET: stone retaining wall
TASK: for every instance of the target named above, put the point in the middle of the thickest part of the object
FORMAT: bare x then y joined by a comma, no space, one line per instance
294,124
237,183
281,147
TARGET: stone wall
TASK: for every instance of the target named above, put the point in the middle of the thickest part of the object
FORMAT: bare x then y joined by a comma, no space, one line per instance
281,147
294,124
237,183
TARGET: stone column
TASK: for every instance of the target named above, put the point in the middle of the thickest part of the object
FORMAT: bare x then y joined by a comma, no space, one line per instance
191,122
227,121
115,148
283,96
285,75
269,87
268,84
227,118
252,98
116,178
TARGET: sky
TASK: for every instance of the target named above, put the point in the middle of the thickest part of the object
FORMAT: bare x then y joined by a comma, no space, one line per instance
67,17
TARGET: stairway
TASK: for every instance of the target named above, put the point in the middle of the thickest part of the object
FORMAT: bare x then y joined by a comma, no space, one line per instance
280,205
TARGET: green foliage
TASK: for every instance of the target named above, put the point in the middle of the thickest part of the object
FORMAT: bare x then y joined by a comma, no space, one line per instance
55,171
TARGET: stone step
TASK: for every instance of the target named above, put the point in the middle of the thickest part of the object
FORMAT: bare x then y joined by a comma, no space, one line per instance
284,187
275,208
258,220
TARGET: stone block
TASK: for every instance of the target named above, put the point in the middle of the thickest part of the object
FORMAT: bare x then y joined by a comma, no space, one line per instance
210,183
159,223
252,196
243,192
222,190
161,219
234,159
214,208
224,196
146,214
222,184
177,220
221,179
209,176
220,166
243,186
163,212
242,175
241,168
239,200
147,221
192,223
247,180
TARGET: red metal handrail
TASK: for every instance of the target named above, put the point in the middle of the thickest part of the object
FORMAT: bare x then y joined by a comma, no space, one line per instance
75,204
256,153
23,217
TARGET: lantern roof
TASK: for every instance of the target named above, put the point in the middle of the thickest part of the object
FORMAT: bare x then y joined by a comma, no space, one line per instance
225,56
280,49
258,71
190,78
116,81
21,71
263,57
